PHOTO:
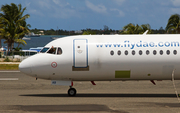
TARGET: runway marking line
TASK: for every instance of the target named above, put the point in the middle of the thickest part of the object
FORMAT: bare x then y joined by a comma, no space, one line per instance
9,71
9,78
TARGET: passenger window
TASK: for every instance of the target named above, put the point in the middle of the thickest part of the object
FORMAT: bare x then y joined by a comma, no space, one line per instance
59,51
175,52
147,52
126,52
44,50
140,52
112,52
133,52
154,52
167,52
52,50
161,52
119,52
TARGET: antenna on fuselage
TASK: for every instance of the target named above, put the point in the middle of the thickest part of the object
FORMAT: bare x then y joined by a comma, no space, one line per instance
145,32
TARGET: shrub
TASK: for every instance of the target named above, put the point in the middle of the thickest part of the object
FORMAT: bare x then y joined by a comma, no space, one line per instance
7,59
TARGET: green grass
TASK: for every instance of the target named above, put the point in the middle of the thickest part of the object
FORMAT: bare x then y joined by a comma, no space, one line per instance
9,66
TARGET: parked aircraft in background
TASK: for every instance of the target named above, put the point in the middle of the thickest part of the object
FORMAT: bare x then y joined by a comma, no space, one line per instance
106,58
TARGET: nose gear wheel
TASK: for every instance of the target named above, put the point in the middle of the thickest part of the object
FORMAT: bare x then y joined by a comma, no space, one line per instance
72,92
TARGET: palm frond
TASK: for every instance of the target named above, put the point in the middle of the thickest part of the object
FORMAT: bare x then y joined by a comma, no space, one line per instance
12,24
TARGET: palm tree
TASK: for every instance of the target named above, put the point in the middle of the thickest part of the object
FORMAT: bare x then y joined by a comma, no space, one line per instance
173,24
25,29
13,24
0,35
130,29
145,27
136,29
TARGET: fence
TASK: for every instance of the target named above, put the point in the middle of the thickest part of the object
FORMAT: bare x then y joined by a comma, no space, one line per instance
17,55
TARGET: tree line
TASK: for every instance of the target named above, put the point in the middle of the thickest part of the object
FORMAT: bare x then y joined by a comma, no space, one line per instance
106,30
13,27
98,31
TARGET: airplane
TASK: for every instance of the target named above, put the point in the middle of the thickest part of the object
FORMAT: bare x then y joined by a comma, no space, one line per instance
106,58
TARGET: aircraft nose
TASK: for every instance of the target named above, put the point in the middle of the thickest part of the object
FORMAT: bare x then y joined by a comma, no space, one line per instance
25,67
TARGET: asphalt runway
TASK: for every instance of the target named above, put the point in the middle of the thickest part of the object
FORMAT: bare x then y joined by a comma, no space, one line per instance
25,94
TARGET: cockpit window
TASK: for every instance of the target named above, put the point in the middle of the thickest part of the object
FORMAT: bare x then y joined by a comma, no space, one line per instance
52,50
59,52
44,50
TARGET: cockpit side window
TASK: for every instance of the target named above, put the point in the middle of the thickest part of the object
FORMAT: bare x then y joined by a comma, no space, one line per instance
52,50
59,52
44,50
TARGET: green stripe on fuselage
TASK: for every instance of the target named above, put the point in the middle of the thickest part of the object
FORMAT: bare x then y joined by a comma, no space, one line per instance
122,74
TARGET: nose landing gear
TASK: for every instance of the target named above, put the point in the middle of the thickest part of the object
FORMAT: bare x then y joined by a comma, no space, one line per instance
71,91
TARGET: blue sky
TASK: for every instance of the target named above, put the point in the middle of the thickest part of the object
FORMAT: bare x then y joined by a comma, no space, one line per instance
94,14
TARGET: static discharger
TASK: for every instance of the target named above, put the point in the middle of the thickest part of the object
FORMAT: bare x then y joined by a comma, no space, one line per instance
93,83
153,82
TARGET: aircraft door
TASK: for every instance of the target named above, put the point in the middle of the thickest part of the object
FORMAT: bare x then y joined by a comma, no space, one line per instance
80,54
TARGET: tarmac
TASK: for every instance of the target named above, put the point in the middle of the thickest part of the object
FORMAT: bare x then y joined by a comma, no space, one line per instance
20,93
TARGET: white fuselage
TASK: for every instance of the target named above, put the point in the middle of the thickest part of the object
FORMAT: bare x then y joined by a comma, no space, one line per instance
108,58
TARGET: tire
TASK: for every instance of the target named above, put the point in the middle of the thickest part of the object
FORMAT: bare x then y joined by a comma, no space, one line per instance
72,92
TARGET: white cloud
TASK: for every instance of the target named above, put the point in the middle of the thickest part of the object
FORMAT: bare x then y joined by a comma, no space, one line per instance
175,8
61,3
33,11
53,8
98,8
120,13
27,4
44,3
119,2
174,11
64,13
176,2
57,2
